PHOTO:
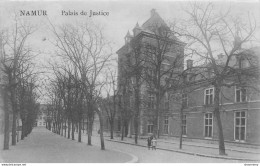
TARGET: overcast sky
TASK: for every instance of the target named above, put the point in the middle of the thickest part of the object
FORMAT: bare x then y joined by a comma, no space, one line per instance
123,15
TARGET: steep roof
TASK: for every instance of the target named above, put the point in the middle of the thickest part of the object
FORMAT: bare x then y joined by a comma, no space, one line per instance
154,20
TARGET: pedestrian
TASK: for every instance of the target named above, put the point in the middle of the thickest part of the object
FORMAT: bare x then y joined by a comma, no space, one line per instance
149,142
154,143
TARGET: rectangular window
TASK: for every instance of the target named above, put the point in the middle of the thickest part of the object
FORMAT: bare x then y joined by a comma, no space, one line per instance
208,96
240,94
208,125
240,125
166,125
184,100
150,127
184,125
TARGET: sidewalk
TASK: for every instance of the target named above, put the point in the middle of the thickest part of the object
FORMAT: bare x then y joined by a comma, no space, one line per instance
199,149
43,146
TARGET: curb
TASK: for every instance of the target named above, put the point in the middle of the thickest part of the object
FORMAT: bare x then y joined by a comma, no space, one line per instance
190,153
234,150
134,158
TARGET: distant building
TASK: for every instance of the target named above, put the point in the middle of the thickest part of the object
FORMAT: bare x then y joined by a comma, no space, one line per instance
42,116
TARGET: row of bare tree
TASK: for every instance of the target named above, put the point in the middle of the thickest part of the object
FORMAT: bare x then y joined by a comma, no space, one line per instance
76,86
18,81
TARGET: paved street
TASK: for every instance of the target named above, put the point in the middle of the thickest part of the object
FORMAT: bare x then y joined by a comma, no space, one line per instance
244,154
42,146
159,156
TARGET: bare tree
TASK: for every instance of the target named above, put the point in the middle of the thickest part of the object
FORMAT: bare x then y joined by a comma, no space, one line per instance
111,101
164,56
86,48
135,69
16,61
210,34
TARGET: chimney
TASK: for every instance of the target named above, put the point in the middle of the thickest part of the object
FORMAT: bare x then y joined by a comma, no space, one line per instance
189,63
153,11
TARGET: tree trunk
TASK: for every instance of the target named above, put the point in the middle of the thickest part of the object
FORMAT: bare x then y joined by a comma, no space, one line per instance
79,131
73,130
101,131
23,129
112,129
14,128
137,110
53,127
6,112
61,127
156,121
126,128
219,124
65,130
136,129
181,133
130,129
83,124
89,130
122,131
17,137
50,126
69,129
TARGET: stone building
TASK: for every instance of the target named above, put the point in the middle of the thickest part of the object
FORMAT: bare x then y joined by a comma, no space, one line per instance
154,34
240,106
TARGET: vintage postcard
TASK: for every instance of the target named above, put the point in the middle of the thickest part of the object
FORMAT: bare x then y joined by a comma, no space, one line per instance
112,81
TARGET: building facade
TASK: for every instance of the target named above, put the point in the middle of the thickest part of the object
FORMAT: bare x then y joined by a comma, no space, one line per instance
145,45
239,105
42,116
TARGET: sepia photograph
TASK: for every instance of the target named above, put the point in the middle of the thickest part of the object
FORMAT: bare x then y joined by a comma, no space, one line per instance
120,81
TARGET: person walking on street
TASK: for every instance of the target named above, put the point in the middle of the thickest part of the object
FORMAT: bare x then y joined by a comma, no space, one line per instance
154,143
149,141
